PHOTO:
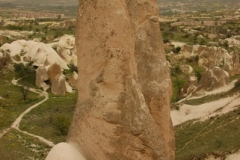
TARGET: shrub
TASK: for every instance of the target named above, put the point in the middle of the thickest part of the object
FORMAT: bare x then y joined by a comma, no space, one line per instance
237,84
4,60
176,50
198,71
61,123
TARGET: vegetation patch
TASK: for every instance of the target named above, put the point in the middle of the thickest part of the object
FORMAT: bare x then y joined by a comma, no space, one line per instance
215,136
51,119
12,102
18,146
210,98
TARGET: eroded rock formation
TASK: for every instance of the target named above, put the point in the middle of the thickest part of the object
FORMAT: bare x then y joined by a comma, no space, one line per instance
186,69
41,76
189,87
124,86
59,85
53,71
212,79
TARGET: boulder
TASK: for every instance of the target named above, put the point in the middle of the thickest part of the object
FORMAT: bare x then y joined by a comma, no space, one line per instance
189,87
212,79
186,69
41,77
73,80
53,71
59,85
66,48
64,151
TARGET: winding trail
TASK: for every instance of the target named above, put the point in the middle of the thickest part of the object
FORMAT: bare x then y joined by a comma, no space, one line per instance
15,124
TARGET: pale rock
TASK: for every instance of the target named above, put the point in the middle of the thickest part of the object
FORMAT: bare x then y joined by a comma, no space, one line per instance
73,80
64,54
208,57
189,87
8,23
69,89
66,49
152,68
123,109
200,37
59,85
67,41
64,151
15,34
67,24
212,79
178,44
45,55
186,69
233,42
40,53
41,77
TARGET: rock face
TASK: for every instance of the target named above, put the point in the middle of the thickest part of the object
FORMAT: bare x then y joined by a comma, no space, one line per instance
67,24
152,67
209,57
53,71
123,109
41,76
189,87
59,85
49,62
212,79
67,50
186,69
73,80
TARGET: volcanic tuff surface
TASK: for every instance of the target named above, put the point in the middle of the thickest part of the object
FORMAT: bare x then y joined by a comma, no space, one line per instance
124,85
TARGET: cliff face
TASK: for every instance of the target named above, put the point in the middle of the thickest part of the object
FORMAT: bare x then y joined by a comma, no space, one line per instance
124,86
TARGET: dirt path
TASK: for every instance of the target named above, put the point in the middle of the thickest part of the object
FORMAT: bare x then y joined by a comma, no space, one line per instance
15,124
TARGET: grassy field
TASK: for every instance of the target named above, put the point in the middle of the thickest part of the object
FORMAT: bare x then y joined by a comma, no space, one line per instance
215,136
18,146
12,103
51,119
